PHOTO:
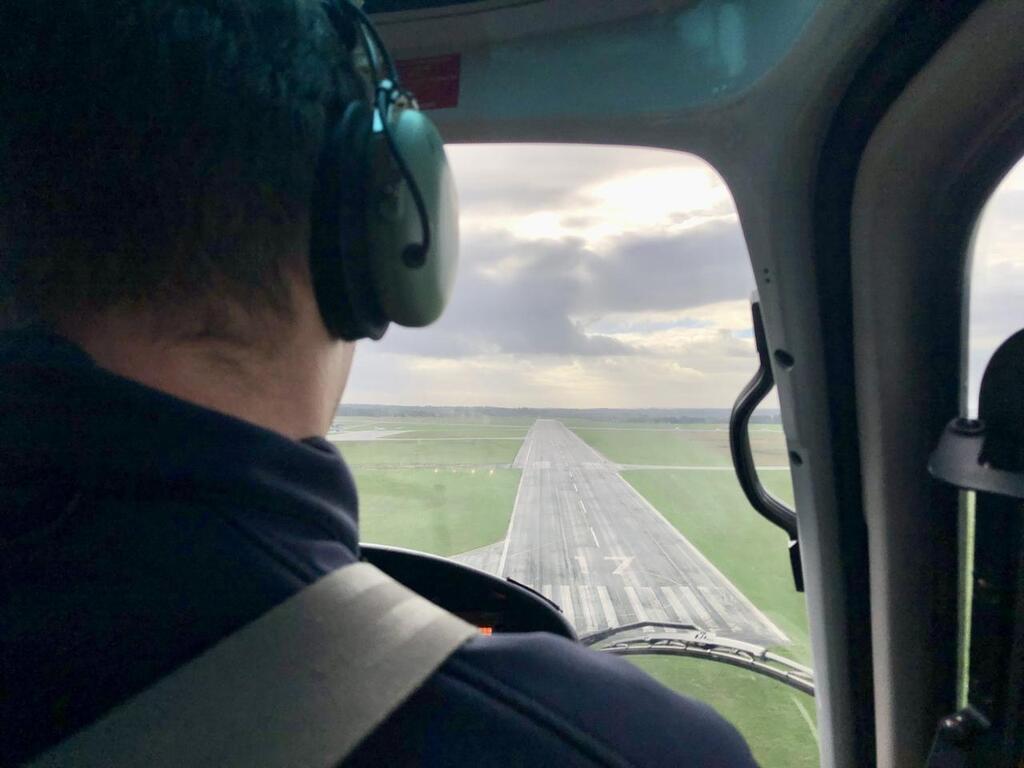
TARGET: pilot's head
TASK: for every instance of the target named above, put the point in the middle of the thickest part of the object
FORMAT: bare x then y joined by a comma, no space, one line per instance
158,159
190,185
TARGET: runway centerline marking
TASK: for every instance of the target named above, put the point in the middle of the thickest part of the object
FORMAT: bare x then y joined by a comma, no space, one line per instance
596,542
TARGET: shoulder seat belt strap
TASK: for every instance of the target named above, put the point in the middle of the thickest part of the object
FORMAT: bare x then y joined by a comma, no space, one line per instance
302,685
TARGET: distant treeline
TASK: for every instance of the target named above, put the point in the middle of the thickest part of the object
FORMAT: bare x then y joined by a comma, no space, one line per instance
462,413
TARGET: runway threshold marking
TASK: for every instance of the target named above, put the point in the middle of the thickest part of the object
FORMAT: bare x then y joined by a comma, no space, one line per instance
712,596
651,602
586,603
682,616
697,609
606,606
635,604
566,603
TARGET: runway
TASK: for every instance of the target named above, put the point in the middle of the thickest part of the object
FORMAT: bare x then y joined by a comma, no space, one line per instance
584,537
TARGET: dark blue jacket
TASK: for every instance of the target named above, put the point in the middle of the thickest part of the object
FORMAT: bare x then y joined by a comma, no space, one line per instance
136,530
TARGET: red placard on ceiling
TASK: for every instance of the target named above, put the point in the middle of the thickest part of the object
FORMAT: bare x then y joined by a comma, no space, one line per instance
433,80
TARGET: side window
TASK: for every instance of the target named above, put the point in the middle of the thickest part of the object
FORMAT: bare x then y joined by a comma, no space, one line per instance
997,277
996,311
565,424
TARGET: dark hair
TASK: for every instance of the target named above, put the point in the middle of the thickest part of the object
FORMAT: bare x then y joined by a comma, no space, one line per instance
159,151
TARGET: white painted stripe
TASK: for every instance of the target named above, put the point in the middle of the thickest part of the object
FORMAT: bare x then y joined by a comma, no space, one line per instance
611,620
548,592
585,596
807,717
581,558
635,604
596,542
515,506
712,596
566,604
673,600
697,609
650,600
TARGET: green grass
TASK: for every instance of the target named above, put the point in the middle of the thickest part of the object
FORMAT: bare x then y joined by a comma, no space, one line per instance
709,509
505,433
414,422
767,713
682,447
444,512
384,452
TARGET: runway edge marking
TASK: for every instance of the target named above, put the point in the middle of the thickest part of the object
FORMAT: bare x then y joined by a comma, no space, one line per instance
515,504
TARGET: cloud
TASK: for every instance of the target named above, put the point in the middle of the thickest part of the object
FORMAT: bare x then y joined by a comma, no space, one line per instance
997,277
590,276
585,192
542,297
697,266
508,179
618,277
640,381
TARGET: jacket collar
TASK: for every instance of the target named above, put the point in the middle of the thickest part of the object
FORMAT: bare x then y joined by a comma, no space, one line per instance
69,426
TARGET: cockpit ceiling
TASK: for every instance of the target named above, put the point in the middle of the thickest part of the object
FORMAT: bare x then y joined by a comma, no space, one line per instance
542,70
487,21
399,6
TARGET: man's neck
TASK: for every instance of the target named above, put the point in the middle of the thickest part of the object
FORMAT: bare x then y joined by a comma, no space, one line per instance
291,386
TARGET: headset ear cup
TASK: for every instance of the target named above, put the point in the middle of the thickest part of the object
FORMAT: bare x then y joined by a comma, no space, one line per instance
340,258
413,285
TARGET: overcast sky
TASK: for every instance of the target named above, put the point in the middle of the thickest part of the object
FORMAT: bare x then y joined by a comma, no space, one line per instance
997,275
613,277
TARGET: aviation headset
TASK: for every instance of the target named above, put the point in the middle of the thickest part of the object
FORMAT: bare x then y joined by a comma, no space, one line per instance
384,242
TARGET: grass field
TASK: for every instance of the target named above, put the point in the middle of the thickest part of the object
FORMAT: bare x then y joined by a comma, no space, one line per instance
434,453
777,721
443,512
407,423
430,492
705,446
449,432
